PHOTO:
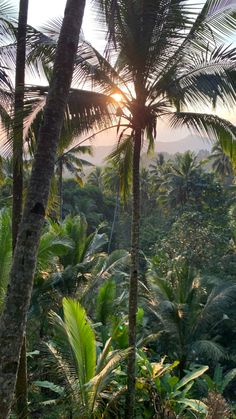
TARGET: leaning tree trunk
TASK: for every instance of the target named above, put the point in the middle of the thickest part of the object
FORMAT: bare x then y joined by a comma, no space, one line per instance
13,320
21,384
133,287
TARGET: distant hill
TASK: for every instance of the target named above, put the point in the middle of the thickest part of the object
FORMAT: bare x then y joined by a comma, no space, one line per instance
193,143
188,143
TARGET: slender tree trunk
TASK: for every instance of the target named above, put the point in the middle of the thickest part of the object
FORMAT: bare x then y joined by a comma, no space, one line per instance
21,385
133,287
60,187
114,218
13,320
21,392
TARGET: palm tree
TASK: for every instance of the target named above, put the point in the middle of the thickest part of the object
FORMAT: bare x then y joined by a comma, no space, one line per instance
161,63
179,182
191,312
165,57
95,178
21,383
84,245
84,376
73,165
12,326
221,164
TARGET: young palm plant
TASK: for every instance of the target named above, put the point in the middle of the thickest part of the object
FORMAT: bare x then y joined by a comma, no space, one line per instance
84,375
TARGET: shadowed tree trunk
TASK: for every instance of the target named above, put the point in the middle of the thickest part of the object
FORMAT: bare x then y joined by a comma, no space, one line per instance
21,385
133,287
13,320
60,187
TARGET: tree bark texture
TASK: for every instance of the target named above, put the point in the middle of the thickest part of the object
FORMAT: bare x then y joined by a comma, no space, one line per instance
133,287
60,187
13,320
21,393
18,120
21,385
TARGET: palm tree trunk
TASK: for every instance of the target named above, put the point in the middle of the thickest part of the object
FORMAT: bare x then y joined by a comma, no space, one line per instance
21,385
13,320
60,187
21,393
114,218
133,287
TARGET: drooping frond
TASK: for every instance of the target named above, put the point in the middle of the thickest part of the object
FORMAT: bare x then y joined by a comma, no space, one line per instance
85,111
210,126
121,158
202,77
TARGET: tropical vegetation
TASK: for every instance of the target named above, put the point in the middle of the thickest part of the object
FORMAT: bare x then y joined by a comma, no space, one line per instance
117,283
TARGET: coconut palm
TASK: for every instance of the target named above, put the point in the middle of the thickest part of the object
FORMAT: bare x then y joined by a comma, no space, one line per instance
70,161
84,377
180,181
164,56
12,326
221,163
95,178
17,190
191,312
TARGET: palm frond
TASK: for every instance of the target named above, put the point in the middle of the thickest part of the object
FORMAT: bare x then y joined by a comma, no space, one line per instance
81,338
121,158
211,126
203,77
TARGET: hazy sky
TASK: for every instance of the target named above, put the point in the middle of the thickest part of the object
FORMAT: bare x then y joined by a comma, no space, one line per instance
40,11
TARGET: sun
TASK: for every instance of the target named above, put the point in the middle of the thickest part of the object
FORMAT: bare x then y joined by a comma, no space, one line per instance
117,97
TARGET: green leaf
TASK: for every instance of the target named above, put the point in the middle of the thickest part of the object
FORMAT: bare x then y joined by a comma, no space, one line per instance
194,404
228,377
191,376
51,386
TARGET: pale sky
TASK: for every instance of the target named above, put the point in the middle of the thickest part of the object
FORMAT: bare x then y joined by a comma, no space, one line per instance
41,11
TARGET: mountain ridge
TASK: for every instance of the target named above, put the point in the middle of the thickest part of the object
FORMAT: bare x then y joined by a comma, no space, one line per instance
192,143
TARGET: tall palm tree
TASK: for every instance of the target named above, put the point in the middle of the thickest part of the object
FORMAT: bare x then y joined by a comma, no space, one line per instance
13,320
180,180
21,384
221,163
168,55
74,165
95,178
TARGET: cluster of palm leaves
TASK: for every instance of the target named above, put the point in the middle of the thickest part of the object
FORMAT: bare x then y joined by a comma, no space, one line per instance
191,311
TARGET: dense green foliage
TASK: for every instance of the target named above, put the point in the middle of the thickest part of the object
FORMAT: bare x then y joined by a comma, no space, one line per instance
187,297
162,60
